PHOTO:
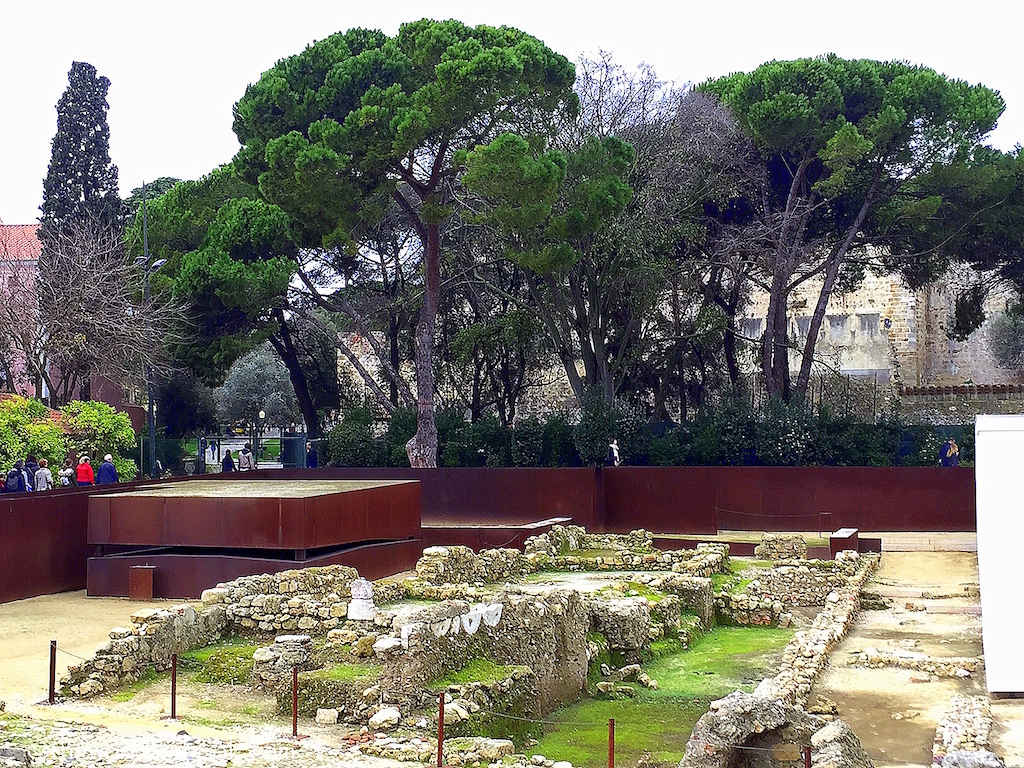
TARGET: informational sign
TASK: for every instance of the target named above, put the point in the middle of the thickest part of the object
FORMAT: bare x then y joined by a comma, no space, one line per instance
999,485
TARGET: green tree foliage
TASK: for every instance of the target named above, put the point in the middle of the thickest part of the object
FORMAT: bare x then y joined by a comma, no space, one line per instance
229,259
332,132
186,406
150,191
81,181
844,146
26,427
351,443
258,381
95,429
1006,338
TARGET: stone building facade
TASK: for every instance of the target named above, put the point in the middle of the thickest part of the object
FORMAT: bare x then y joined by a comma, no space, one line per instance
887,332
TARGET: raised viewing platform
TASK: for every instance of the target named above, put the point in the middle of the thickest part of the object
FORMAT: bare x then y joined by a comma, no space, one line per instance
183,537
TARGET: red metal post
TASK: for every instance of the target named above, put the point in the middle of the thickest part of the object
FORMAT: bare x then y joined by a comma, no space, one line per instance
174,686
807,757
611,743
440,730
53,671
295,702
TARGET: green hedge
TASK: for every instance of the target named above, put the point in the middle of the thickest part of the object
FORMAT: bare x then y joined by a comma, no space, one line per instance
732,434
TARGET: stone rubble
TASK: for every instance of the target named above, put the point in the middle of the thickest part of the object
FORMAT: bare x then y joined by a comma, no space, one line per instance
963,728
781,546
946,666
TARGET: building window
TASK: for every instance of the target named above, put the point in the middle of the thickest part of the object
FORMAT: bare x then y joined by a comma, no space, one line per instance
752,327
869,324
837,327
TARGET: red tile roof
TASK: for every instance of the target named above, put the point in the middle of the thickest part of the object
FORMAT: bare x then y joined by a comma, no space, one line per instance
19,242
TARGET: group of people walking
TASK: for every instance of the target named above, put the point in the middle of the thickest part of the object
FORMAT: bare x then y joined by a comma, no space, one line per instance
30,475
246,460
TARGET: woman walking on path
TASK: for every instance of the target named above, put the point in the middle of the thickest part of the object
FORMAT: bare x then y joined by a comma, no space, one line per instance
84,473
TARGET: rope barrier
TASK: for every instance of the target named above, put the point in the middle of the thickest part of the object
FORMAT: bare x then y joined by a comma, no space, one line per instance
73,655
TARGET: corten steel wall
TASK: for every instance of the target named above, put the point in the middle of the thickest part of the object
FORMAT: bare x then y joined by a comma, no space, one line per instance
481,495
257,522
675,499
660,499
43,538
42,543
187,575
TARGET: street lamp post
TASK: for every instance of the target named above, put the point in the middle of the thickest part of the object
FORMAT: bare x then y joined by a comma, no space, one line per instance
259,432
148,269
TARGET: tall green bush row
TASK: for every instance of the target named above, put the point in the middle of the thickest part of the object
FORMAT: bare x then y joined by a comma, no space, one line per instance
732,434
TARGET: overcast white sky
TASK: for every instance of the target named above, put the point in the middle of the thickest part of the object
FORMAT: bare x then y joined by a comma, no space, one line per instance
176,68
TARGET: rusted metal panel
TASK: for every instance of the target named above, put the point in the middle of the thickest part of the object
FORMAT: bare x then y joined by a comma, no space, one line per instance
187,575
660,499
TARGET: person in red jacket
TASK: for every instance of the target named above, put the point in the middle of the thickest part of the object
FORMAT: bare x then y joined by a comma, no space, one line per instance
84,473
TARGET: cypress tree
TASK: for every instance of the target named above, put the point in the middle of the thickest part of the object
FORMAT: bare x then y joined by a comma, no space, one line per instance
81,182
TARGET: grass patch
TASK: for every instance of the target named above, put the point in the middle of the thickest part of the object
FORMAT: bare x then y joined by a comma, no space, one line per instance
631,589
660,721
127,693
477,671
227,662
347,672
739,566
729,582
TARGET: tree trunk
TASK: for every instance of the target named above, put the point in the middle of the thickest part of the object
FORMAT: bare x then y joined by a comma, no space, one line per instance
282,343
422,448
828,283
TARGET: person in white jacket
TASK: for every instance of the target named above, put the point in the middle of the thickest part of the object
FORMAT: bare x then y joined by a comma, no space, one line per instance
44,477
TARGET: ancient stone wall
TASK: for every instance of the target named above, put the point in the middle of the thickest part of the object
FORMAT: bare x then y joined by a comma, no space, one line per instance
544,632
460,565
781,546
566,539
808,651
745,729
964,728
149,640
806,584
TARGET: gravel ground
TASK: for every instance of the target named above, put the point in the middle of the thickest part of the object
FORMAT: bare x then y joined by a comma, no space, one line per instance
86,745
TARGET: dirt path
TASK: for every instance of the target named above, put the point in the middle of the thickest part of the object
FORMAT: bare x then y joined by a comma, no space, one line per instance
934,610
78,623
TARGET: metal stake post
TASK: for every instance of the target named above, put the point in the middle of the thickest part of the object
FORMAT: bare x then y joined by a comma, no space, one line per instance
174,686
53,671
611,743
440,730
295,702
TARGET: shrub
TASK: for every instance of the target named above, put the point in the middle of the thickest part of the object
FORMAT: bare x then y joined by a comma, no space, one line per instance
95,429
26,427
352,442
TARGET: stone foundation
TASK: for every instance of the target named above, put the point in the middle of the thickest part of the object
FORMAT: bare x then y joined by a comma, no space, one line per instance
150,639
749,730
808,651
781,546
964,728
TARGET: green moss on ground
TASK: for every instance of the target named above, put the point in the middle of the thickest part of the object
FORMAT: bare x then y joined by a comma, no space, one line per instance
661,721
631,589
127,692
227,662
347,672
476,671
